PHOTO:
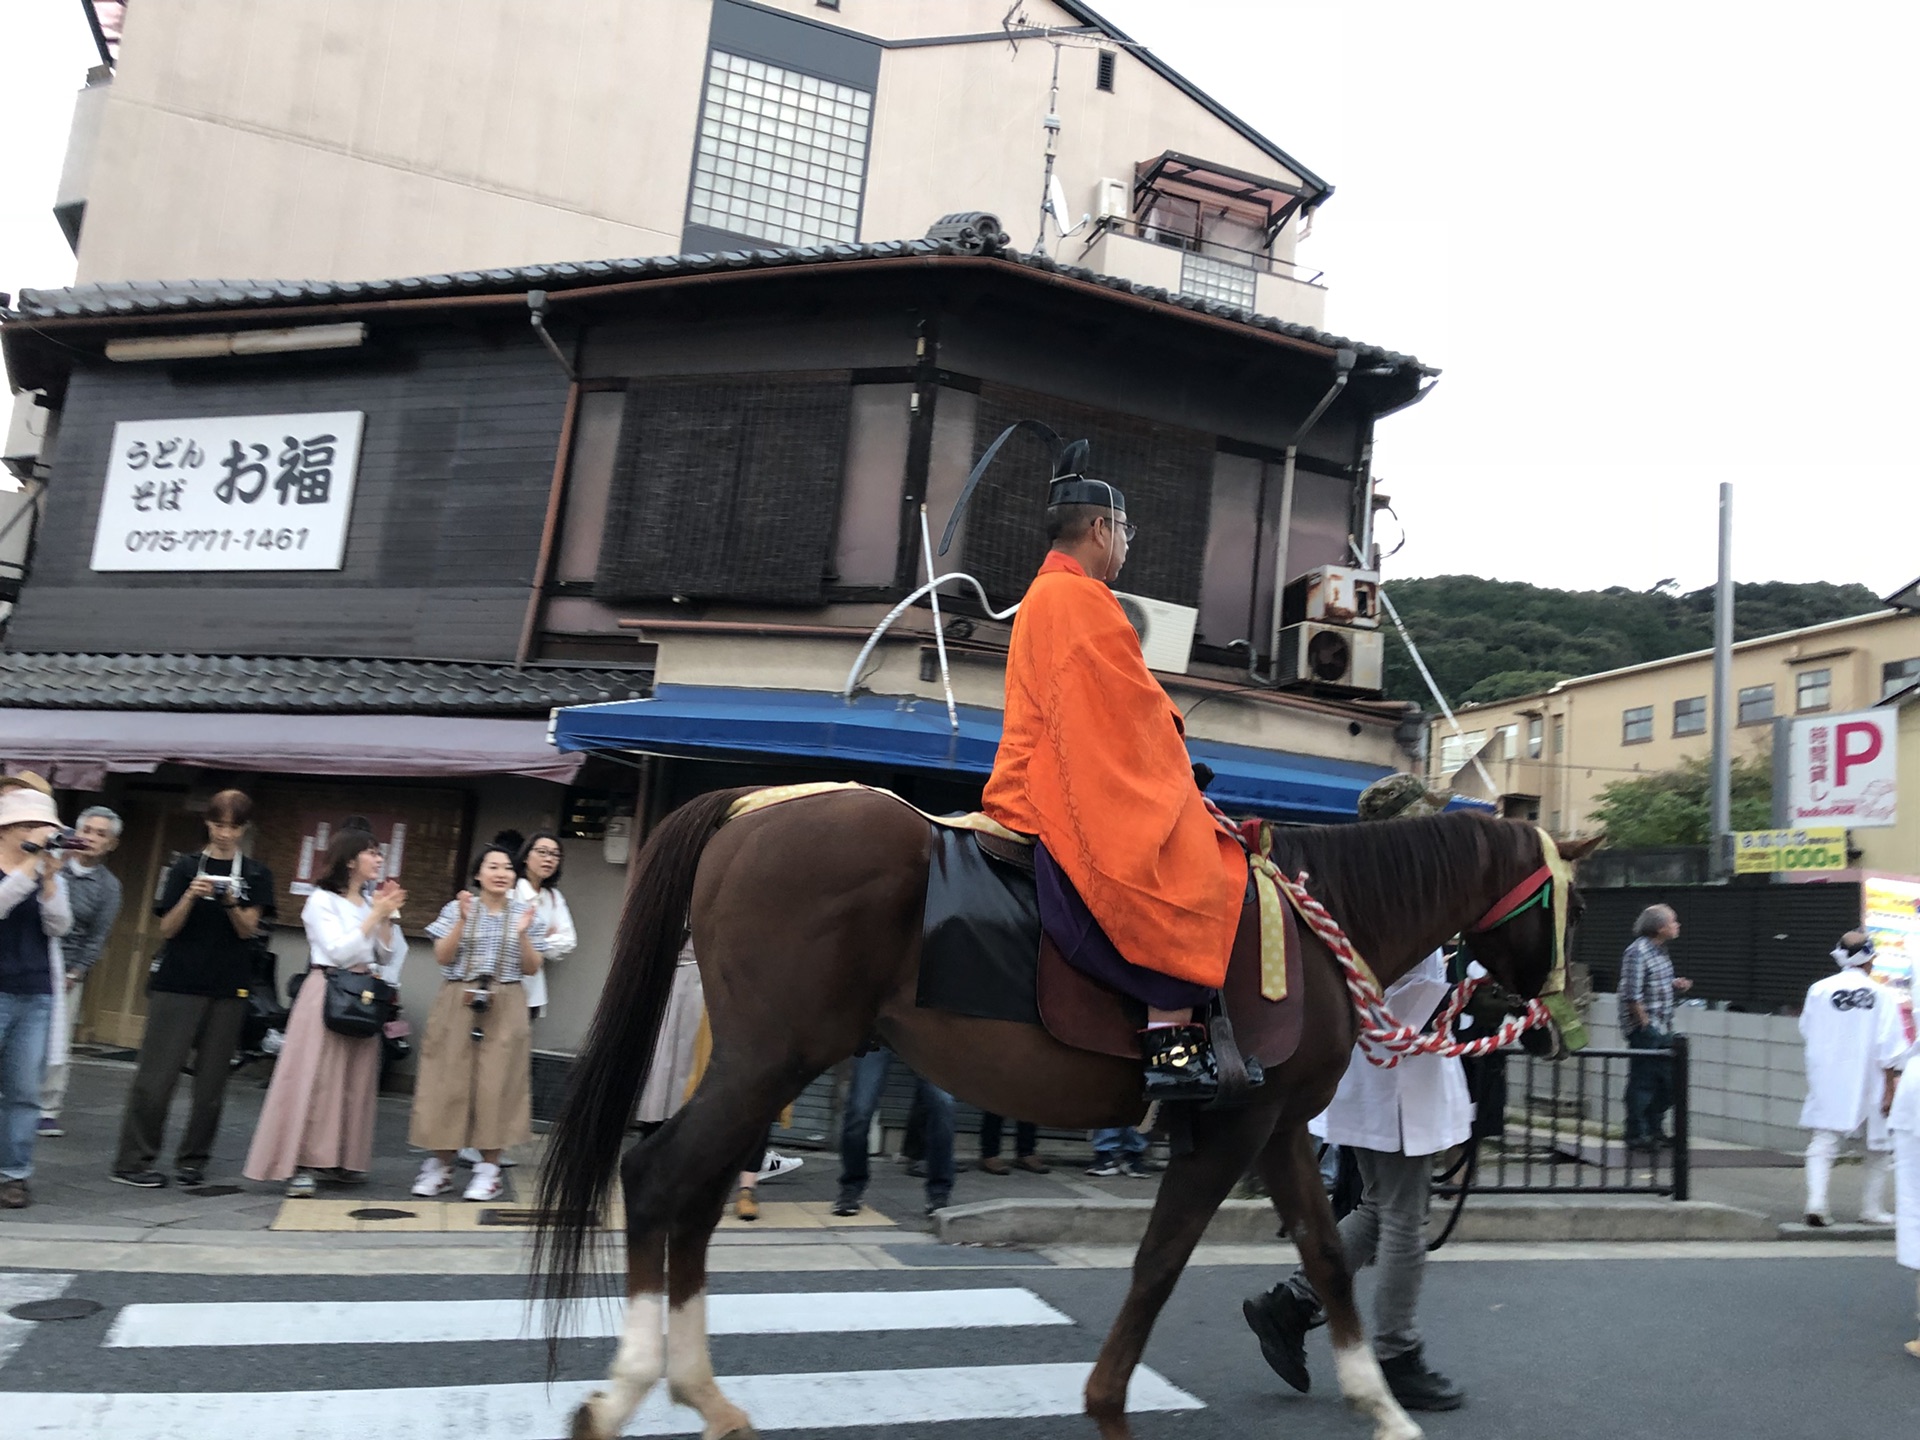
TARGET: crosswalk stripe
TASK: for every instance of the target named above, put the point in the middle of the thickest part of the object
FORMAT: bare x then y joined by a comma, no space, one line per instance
864,1399
18,1289
421,1321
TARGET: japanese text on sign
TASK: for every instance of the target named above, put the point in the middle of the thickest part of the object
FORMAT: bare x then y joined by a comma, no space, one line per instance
1760,852
1843,770
236,492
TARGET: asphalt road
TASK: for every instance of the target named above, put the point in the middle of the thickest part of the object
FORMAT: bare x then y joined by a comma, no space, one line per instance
1618,1347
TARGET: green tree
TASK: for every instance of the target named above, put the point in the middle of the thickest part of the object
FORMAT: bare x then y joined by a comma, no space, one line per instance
1506,684
1674,807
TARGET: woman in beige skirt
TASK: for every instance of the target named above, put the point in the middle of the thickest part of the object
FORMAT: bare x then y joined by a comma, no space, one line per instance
320,1106
474,1087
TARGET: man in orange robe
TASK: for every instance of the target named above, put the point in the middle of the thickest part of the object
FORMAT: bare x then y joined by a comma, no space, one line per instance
1093,762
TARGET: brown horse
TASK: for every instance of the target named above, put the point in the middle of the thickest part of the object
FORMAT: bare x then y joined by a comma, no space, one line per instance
806,920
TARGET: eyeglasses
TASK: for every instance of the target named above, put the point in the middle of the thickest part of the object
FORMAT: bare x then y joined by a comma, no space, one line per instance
546,851
1126,530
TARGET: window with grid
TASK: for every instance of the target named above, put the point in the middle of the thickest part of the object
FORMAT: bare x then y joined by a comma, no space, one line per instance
782,156
1813,689
1636,725
1210,279
1756,704
1533,737
1897,676
1690,716
1457,750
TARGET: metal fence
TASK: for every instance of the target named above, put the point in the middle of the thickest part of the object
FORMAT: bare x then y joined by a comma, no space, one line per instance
1559,1127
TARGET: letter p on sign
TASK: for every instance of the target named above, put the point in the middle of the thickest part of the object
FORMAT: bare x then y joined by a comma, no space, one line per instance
1855,743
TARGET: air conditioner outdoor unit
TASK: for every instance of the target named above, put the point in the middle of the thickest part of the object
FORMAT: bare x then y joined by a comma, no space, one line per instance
1112,199
1315,654
26,432
1165,630
1334,594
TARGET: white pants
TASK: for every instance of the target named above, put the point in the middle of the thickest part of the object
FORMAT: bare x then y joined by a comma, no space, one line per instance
53,1089
1821,1151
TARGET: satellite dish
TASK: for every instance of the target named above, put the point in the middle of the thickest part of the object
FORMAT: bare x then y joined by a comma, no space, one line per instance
1057,203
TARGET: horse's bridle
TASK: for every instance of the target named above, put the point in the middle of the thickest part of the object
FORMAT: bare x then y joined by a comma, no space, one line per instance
1536,889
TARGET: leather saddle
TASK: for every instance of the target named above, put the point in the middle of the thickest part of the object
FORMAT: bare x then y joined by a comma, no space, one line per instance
983,954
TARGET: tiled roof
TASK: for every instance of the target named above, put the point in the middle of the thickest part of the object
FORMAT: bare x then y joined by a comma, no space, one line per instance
149,297
304,686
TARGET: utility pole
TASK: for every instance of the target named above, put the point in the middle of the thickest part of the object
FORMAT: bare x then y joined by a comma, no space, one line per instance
1052,126
1720,856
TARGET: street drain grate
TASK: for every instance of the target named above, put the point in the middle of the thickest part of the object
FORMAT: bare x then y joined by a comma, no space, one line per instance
376,1212
65,1309
523,1219
211,1192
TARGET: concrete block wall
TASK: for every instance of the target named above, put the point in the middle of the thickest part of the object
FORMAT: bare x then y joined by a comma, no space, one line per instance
1746,1073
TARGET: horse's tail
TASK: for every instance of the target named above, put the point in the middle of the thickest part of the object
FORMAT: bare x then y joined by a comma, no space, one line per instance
583,1148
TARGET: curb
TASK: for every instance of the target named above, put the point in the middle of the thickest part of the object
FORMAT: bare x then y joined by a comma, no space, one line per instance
1501,1218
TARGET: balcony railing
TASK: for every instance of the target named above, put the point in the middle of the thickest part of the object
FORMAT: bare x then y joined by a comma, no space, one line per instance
1256,260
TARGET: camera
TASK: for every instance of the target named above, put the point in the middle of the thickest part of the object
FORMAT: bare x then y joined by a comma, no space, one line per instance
480,1000
59,840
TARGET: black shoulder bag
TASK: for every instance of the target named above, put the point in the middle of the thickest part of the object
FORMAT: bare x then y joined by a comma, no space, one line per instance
357,1006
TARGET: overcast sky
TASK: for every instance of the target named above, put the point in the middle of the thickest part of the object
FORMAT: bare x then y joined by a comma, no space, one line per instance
1653,247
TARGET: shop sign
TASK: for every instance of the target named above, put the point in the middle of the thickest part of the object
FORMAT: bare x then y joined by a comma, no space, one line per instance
234,492
1764,852
1842,769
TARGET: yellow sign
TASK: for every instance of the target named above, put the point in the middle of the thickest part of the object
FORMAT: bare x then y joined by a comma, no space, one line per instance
1764,852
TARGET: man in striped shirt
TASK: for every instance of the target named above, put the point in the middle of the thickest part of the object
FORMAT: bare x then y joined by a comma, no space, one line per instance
1647,990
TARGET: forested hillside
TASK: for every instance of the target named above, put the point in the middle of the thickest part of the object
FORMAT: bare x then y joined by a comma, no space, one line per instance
1490,639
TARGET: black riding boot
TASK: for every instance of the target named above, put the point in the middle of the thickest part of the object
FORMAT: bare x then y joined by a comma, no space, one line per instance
1179,1061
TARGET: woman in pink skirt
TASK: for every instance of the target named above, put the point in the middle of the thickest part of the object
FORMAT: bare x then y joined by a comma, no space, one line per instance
319,1110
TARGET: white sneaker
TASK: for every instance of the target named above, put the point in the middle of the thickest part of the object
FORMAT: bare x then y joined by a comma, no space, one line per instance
434,1179
471,1156
774,1165
302,1186
486,1183
1879,1217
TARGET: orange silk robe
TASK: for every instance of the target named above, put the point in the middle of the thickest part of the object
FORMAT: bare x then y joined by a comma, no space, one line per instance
1093,760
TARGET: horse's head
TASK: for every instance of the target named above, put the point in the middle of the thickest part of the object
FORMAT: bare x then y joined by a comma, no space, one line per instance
1523,939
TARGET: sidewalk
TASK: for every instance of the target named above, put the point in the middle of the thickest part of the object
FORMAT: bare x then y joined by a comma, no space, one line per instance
74,1199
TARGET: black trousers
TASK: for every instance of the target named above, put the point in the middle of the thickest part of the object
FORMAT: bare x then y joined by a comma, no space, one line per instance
204,1026
1026,1136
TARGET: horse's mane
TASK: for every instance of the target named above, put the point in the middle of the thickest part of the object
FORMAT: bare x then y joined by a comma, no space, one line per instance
1383,881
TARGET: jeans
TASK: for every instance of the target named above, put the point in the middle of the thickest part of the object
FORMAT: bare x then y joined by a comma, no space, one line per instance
1026,1136
26,1024
863,1098
1649,1085
1389,1229
1121,1141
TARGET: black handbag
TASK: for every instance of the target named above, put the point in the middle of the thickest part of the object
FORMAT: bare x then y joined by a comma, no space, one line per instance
358,1006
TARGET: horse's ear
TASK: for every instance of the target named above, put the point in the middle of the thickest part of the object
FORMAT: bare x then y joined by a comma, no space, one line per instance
1572,850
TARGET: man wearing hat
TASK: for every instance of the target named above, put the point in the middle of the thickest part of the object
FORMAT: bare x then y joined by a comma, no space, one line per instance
1840,1025
34,914
1093,763
1393,1121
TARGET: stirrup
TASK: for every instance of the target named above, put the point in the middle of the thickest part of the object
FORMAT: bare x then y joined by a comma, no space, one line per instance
1179,1063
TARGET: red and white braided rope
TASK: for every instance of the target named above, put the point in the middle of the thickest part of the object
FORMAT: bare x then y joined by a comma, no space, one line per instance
1383,1037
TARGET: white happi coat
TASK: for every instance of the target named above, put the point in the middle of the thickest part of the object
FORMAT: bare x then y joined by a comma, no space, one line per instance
1899,1049
1418,1107
1840,1023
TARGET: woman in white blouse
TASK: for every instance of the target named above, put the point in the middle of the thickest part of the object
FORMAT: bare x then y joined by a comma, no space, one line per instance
539,863
320,1106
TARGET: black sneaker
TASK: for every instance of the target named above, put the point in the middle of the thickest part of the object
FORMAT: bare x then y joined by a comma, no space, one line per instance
140,1179
189,1176
1418,1388
1281,1320
938,1200
1104,1167
1179,1063
848,1202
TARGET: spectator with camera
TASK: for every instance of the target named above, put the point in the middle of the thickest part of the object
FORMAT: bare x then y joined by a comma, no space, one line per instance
34,914
474,1086
212,905
320,1105
94,893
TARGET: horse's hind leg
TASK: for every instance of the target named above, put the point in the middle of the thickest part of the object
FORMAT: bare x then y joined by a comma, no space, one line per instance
1293,1179
675,1186
1190,1193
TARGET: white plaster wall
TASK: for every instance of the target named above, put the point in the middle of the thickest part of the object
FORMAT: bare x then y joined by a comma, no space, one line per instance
1746,1073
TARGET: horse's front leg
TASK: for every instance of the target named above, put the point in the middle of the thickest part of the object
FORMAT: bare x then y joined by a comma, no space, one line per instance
1190,1193
1293,1177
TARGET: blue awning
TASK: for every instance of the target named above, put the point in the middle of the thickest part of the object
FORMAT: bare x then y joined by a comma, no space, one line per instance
894,732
